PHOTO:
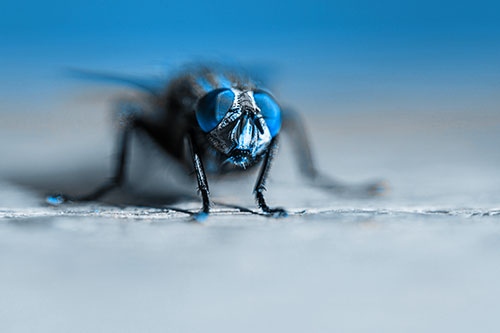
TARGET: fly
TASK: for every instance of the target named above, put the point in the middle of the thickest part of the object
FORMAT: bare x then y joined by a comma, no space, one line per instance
226,120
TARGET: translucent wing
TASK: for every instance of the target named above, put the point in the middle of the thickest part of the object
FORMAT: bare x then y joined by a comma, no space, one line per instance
151,85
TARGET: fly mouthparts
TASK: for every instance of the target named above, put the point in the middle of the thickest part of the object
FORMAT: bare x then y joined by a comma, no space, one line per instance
240,153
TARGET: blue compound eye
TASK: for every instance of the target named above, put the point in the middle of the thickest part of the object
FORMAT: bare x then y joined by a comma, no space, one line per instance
212,108
270,111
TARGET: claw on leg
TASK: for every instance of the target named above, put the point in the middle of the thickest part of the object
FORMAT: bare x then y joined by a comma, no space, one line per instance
277,212
200,216
56,199
271,212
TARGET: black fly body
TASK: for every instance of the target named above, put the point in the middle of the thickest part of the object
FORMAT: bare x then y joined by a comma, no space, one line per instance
228,122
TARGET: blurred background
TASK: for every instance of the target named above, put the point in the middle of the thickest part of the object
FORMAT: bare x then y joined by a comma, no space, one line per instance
402,88
390,79
407,91
328,56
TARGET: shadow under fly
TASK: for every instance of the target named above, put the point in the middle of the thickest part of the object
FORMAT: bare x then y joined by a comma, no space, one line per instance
215,121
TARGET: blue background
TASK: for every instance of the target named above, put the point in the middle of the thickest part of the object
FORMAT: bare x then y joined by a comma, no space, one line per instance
322,55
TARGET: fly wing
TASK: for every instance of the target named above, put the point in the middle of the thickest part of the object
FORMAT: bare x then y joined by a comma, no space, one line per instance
152,85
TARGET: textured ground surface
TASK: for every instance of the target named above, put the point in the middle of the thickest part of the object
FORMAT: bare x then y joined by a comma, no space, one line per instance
425,257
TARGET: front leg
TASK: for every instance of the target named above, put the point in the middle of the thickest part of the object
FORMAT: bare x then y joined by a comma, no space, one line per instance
260,186
201,177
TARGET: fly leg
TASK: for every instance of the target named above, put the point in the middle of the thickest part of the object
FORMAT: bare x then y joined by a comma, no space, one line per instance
201,177
293,126
129,123
119,175
260,186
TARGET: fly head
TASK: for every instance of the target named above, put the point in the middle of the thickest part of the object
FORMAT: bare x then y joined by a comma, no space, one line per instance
239,124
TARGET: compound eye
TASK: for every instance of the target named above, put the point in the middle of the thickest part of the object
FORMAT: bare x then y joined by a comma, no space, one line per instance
270,111
212,108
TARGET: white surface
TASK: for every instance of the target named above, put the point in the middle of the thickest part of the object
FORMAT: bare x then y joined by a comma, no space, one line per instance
425,258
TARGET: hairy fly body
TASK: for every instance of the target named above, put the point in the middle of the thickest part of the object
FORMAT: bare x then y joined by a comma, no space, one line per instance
226,121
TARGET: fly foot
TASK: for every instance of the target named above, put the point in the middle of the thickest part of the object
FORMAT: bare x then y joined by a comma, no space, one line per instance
56,199
200,216
378,189
275,212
